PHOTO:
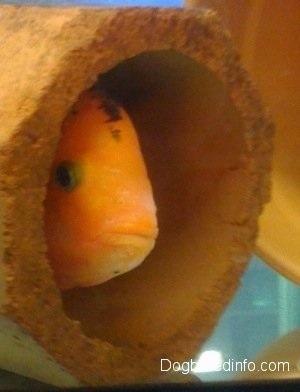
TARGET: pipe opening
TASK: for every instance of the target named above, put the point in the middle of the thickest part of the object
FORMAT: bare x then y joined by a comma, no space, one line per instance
191,138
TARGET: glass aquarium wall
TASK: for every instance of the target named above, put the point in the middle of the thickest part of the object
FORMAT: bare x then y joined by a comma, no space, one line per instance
265,308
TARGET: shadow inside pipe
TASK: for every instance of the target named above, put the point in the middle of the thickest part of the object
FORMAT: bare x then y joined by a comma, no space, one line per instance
190,135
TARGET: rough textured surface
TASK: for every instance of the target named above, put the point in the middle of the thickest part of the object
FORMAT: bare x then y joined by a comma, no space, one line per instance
47,57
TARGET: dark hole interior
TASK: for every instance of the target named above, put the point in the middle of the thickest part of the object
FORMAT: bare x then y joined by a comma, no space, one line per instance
190,134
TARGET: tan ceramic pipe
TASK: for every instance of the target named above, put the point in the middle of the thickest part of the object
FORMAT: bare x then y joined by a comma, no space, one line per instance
267,34
206,140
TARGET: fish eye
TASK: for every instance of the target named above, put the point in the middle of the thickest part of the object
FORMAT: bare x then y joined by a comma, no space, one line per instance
67,175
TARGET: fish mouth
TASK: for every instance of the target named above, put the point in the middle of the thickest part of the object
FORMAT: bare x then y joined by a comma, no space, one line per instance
115,254
131,241
107,256
147,233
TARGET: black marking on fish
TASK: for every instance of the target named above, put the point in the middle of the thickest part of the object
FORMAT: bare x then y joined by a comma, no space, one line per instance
112,109
116,134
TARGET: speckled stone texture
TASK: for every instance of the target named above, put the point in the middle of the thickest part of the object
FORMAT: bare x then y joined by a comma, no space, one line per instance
48,56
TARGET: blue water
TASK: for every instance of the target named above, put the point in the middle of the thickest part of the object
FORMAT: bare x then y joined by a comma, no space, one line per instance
133,3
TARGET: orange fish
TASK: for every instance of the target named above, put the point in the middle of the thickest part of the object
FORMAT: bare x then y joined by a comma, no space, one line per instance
100,215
